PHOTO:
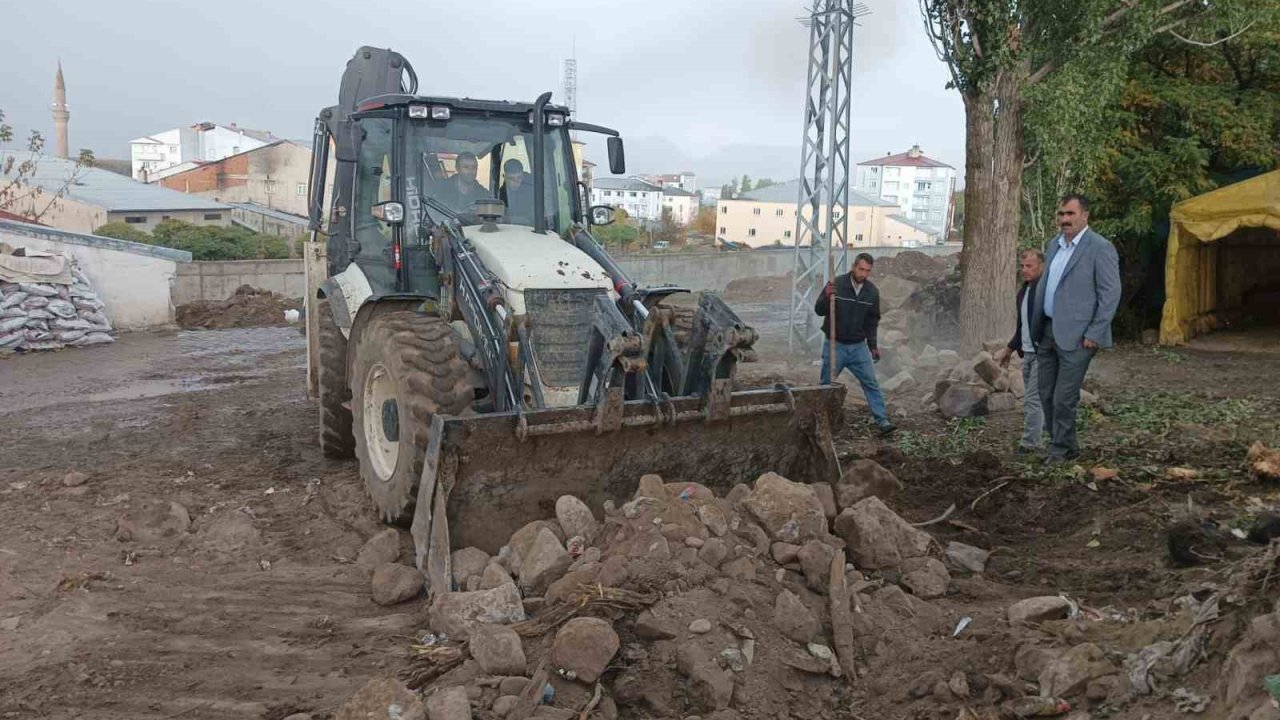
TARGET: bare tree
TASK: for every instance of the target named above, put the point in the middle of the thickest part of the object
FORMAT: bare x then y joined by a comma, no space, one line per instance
19,193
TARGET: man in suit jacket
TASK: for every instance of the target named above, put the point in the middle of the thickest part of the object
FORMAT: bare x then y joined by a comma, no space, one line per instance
1075,302
1031,266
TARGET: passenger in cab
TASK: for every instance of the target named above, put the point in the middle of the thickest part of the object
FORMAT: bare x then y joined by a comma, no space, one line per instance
517,193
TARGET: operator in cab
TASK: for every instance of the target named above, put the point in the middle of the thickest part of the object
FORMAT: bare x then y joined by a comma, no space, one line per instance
517,193
462,189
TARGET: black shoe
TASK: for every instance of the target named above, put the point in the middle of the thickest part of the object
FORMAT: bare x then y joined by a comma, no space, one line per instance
1023,450
888,429
1054,460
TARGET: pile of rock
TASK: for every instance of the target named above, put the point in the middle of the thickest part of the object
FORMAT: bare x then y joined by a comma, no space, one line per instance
680,602
978,386
51,315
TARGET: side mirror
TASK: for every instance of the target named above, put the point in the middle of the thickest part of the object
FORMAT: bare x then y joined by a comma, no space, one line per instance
389,212
603,215
617,156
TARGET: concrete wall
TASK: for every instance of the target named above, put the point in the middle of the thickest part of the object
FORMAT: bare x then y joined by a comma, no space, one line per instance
134,281
218,280
693,270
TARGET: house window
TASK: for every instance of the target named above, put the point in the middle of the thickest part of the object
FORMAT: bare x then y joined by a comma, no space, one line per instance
136,219
922,187
164,217
751,232
778,213
724,209
722,230
755,211
786,234
235,149
631,194
857,238
213,216
302,189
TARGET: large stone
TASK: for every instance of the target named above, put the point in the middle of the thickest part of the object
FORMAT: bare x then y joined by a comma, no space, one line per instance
713,552
456,613
651,486
827,496
1001,402
877,538
494,575
713,518
543,563
710,686
815,561
892,338
895,291
1254,657
925,577
1070,672
567,586
863,479
784,553
967,557
793,619
651,626
585,646
150,521
394,583
788,511
498,650
1030,660
903,380
928,357
467,563
948,357
449,703
575,518
986,368
383,698
963,399
524,538
1039,609
381,549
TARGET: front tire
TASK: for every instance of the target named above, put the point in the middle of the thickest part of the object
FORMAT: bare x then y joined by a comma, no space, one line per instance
407,368
336,438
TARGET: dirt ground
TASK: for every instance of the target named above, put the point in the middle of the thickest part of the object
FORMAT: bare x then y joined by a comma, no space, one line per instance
243,602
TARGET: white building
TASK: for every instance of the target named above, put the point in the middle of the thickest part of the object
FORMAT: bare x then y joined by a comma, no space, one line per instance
203,142
921,186
642,200
682,204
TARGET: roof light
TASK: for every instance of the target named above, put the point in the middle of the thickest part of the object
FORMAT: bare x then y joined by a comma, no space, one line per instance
419,111
441,112
555,119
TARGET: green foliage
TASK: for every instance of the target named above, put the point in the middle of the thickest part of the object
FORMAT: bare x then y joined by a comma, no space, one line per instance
745,185
205,242
728,190
124,231
617,236
959,439
1161,412
764,183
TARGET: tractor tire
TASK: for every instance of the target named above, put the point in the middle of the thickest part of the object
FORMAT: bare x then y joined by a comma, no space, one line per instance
336,438
407,368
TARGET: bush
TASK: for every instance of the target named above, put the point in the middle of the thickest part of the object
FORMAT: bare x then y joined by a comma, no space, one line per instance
205,242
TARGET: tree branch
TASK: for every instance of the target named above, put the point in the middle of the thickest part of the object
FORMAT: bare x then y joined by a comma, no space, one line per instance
1219,41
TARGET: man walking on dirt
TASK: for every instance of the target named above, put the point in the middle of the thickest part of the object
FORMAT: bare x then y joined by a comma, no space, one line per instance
1074,305
856,319
1030,267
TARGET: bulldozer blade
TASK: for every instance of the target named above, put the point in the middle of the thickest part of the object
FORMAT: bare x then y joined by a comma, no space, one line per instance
486,476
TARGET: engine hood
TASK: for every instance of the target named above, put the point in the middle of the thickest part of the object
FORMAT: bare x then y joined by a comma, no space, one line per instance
525,260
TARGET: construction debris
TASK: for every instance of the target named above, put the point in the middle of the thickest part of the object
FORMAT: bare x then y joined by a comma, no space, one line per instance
247,307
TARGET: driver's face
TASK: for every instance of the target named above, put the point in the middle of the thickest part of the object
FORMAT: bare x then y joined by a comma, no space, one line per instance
468,169
515,178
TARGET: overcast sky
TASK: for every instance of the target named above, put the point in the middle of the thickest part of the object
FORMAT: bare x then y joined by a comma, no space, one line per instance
699,73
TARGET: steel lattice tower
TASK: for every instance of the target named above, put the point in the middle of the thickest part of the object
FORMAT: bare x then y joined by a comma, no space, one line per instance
822,207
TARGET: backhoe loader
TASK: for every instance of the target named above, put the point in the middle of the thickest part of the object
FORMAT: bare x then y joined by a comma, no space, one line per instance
480,354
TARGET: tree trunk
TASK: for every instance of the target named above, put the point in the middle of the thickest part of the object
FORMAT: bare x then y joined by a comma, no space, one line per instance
993,191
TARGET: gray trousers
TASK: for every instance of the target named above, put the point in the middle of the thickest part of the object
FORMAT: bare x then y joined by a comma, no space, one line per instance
1060,374
1032,414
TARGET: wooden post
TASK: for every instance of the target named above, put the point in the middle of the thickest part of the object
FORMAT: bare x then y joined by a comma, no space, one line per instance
315,265
831,312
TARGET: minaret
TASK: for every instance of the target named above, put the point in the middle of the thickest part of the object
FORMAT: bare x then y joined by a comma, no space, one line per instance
60,114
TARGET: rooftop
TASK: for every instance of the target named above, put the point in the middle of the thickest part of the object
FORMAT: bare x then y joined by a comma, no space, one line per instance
109,191
911,158
629,183
789,192
675,191
917,225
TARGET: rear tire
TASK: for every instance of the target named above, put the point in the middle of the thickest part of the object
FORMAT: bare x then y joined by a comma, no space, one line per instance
336,438
407,368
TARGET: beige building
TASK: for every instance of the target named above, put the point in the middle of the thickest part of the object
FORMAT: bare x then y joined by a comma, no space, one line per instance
83,199
274,176
768,217
682,204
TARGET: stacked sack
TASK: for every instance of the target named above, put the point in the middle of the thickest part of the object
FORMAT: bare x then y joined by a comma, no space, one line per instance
51,316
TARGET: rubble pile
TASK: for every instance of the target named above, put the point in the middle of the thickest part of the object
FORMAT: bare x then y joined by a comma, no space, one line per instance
247,307
766,602
52,315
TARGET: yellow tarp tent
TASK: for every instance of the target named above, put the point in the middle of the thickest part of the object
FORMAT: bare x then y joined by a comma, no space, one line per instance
1221,244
